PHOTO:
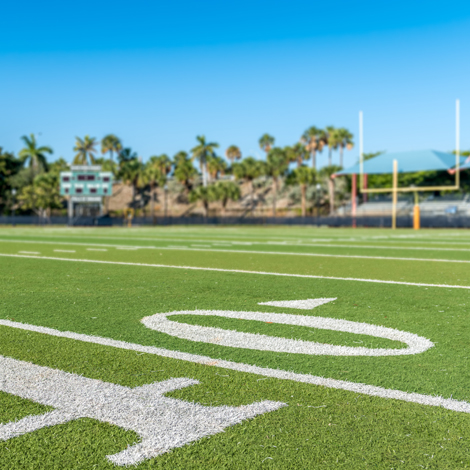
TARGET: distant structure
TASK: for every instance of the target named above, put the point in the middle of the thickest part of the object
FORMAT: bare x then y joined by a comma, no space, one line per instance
85,186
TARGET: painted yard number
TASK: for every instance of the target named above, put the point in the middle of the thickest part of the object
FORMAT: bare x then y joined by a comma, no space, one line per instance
164,423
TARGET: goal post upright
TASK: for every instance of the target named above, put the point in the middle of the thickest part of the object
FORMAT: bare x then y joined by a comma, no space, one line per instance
361,151
457,143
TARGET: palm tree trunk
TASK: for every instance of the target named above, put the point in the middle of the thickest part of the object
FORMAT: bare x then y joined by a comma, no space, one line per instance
252,198
303,190
204,174
274,195
152,203
314,159
206,208
341,156
330,157
331,191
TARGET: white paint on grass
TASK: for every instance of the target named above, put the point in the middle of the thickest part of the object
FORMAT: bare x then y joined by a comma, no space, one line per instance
30,252
162,423
306,304
371,390
97,249
314,245
241,271
64,251
235,339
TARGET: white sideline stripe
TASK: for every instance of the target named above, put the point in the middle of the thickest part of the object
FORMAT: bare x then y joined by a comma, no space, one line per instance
295,242
371,390
378,247
241,271
257,252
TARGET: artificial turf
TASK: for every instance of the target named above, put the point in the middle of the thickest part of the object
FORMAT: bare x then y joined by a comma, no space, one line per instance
321,428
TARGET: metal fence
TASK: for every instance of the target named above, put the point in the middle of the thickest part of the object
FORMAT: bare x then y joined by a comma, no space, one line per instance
438,221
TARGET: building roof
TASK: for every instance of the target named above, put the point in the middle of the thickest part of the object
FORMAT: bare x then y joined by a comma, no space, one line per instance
408,162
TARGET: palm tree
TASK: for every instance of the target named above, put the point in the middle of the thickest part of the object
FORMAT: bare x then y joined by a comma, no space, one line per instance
202,152
42,195
233,153
36,155
314,140
9,167
249,169
132,172
303,176
332,141
266,142
215,166
107,165
206,194
345,140
85,149
155,177
326,173
225,191
163,163
184,170
111,143
276,165
297,153
180,157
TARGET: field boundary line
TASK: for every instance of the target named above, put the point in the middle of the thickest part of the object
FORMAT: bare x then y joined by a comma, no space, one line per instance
297,243
371,390
241,271
256,252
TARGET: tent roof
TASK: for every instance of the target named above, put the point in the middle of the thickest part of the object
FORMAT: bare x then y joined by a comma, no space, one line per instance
408,162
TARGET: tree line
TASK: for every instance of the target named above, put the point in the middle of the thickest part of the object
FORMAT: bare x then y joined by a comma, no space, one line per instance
28,182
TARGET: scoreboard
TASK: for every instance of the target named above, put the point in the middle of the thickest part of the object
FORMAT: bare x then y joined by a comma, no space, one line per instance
86,182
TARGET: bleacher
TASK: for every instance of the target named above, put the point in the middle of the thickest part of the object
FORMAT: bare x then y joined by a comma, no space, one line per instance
446,205
381,205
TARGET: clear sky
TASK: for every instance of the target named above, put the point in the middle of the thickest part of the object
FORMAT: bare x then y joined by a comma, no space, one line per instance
158,73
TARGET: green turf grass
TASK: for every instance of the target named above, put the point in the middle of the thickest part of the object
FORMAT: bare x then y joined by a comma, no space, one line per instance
351,431
321,428
110,301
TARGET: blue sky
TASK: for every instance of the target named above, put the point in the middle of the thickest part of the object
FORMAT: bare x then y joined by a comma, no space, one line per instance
159,73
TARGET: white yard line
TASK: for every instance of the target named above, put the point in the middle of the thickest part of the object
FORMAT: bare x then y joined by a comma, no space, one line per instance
371,390
318,255
241,271
64,251
30,252
258,252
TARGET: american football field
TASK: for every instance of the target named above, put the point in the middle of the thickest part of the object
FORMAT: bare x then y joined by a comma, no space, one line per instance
234,347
